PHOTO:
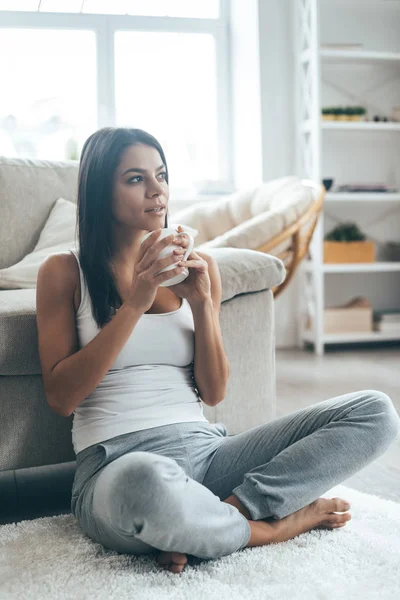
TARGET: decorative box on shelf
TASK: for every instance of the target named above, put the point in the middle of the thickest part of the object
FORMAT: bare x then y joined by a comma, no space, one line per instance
349,252
355,316
348,320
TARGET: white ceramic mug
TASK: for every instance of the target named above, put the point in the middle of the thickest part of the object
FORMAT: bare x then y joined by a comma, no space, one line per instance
191,233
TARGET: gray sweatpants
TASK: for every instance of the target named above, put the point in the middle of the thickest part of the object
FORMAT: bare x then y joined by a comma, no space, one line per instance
162,488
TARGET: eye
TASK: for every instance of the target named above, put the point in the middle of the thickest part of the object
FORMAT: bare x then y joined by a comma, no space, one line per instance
164,174
132,179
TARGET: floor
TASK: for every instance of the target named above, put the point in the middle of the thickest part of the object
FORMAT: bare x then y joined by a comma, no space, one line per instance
304,378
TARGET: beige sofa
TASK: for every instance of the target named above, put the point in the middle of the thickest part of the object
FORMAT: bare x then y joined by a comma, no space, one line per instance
37,461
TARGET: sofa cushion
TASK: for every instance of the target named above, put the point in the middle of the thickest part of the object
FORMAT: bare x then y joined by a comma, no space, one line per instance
28,191
57,235
242,271
248,219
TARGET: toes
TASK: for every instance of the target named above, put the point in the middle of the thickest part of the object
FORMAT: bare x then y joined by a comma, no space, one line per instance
167,558
336,521
176,568
179,558
173,568
172,561
339,505
329,526
339,518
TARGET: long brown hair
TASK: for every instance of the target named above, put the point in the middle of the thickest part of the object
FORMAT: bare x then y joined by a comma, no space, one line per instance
100,157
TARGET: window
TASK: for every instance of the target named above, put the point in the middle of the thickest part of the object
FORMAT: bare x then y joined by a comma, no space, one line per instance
173,96
159,65
48,99
206,9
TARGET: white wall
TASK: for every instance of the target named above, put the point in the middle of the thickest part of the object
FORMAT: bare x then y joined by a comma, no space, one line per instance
246,94
277,87
278,130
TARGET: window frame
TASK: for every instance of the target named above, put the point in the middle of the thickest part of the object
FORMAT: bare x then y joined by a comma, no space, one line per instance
105,27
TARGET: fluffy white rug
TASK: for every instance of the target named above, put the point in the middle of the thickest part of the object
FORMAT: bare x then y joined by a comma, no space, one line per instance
52,558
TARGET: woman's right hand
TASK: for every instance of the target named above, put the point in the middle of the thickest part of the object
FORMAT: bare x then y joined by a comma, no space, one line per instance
145,282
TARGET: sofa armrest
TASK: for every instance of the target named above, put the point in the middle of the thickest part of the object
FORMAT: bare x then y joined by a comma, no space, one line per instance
243,270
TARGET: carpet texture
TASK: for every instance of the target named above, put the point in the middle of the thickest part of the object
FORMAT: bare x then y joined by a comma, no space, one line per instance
51,558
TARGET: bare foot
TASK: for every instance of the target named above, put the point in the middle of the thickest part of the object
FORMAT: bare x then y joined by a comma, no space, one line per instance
172,561
320,514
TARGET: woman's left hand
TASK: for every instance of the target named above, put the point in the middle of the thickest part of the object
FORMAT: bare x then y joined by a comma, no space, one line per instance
197,285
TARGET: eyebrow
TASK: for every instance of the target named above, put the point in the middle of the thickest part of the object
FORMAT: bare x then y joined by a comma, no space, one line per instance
143,170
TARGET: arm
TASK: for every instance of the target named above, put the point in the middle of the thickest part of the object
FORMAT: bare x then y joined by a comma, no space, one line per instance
211,367
70,374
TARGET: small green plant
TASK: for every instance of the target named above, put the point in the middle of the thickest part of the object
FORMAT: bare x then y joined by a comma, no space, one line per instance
343,110
359,110
345,232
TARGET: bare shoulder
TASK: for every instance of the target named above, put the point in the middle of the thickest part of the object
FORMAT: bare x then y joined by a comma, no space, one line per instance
63,263
60,271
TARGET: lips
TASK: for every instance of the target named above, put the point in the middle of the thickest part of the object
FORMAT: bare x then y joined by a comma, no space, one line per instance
156,208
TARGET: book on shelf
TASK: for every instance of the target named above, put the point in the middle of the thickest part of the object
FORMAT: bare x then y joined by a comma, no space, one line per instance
388,327
395,318
387,321
387,315
364,187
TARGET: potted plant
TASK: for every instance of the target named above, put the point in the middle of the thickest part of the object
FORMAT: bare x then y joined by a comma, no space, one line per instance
327,114
358,113
350,113
347,244
340,113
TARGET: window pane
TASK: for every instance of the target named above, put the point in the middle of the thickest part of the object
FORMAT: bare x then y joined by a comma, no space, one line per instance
48,101
206,9
66,6
166,85
19,4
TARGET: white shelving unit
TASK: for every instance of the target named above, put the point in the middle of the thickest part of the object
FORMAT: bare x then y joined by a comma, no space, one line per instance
376,267
306,126
349,151
361,126
359,197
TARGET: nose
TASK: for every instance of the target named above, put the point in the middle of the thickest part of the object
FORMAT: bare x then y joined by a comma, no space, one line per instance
154,188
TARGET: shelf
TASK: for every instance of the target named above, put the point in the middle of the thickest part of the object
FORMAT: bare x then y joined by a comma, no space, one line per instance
360,126
339,338
350,71
361,56
307,125
377,267
362,197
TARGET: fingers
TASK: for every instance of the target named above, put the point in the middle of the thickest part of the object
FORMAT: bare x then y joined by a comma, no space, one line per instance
197,264
182,241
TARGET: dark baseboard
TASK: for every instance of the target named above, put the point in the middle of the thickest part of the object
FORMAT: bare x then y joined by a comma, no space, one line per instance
36,492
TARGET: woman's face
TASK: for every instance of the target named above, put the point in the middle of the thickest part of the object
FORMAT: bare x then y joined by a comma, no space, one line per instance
139,185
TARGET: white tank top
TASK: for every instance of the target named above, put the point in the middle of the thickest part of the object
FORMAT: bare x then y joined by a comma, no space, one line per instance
150,383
